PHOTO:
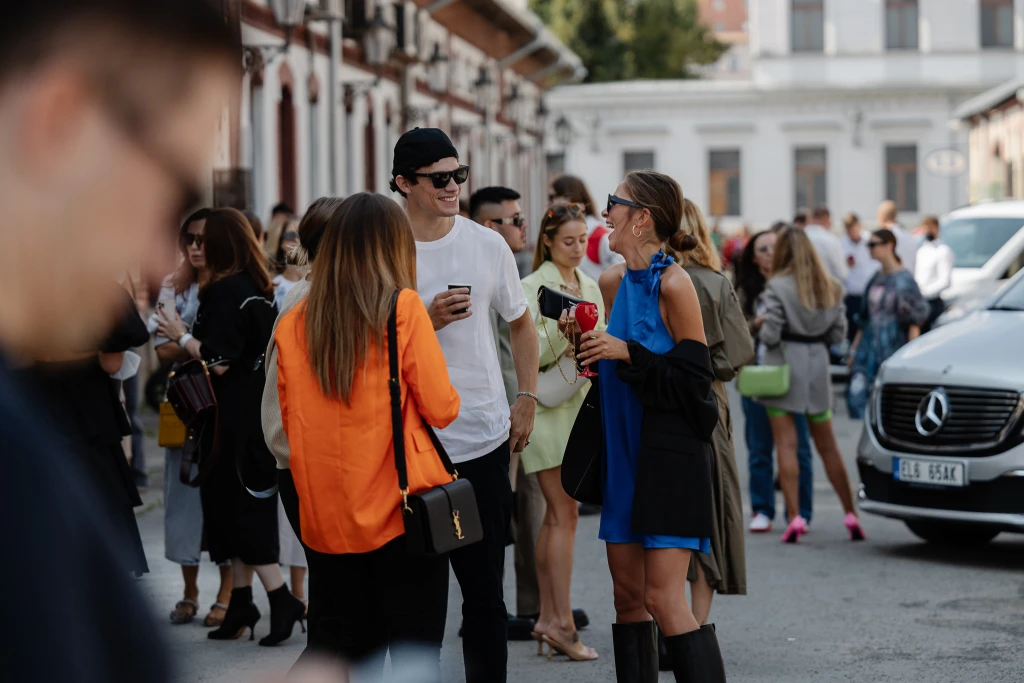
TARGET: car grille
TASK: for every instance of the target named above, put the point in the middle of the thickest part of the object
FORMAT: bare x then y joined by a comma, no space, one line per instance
977,418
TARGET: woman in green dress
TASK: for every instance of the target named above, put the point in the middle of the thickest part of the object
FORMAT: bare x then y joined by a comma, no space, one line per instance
561,247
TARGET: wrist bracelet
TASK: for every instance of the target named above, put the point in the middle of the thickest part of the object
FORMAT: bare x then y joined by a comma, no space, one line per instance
184,339
535,397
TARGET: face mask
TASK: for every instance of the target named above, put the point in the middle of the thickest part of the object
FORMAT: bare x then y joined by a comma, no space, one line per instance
930,237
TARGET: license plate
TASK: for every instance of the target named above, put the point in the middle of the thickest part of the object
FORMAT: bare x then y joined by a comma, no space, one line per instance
935,472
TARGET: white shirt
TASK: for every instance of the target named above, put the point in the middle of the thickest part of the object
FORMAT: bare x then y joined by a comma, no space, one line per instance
470,254
934,269
829,249
606,257
282,286
863,268
906,247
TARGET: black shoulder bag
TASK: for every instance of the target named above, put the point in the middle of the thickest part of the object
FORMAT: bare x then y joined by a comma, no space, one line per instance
444,518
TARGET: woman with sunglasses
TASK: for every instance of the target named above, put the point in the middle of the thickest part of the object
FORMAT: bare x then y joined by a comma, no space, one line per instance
752,272
658,412
804,315
232,329
561,247
569,189
183,511
892,313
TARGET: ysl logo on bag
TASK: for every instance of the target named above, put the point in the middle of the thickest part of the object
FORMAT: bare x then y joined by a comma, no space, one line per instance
458,525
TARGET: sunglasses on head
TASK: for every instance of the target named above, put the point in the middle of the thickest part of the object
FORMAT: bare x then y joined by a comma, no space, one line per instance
440,179
190,238
516,220
574,210
613,200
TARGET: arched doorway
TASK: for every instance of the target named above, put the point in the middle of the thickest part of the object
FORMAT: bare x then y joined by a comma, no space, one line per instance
286,138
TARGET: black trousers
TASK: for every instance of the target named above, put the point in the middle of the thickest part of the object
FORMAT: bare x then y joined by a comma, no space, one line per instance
853,303
362,604
479,569
936,307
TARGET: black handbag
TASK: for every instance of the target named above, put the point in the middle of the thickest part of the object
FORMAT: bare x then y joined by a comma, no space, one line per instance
583,462
446,517
190,393
552,302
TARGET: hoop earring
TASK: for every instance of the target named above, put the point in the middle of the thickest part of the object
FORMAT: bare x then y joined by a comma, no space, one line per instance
634,232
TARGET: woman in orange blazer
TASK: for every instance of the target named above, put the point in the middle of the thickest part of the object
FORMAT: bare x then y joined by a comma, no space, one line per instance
366,593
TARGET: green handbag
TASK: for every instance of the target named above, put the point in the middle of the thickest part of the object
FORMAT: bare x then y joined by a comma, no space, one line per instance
764,381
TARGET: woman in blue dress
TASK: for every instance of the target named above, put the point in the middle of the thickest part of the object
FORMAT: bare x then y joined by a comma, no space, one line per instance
658,412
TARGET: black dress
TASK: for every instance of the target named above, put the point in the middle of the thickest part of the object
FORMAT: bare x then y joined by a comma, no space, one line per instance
83,399
234,324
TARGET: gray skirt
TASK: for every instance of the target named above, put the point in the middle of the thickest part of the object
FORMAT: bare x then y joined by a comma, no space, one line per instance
183,514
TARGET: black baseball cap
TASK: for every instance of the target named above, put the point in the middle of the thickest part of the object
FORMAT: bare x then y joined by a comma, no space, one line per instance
421,147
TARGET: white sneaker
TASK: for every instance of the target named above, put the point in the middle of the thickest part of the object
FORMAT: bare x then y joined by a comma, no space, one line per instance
760,524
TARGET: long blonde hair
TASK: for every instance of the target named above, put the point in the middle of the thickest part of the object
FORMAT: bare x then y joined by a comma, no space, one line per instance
367,252
796,256
558,215
704,254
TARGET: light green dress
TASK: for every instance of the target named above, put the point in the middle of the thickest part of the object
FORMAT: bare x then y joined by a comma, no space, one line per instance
552,425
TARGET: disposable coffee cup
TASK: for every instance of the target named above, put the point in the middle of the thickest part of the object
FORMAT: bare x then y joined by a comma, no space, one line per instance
456,286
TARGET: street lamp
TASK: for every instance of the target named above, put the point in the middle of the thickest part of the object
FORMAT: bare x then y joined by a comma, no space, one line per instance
485,89
513,102
378,40
437,70
563,131
541,113
288,14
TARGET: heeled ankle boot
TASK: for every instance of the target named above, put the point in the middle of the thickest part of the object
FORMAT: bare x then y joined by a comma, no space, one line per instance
636,652
285,610
696,657
241,614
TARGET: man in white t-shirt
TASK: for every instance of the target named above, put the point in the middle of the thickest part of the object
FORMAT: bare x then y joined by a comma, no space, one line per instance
828,246
906,243
452,250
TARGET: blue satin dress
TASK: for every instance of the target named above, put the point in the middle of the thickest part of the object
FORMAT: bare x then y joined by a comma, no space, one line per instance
636,316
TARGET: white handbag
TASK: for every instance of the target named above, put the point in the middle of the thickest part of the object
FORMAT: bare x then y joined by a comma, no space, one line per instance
554,385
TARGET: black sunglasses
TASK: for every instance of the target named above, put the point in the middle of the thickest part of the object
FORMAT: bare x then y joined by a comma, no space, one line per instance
190,237
613,200
872,245
440,179
517,221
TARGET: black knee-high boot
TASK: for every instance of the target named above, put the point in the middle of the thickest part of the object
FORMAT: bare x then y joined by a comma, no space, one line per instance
242,613
285,610
696,657
636,652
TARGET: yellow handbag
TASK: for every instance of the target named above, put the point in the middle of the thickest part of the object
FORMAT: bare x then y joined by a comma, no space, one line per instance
172,429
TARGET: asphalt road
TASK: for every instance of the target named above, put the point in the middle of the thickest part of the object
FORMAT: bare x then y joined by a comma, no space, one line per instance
890,609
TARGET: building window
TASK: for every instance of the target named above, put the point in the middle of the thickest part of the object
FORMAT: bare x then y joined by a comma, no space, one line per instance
724,182
637,161
809,176
901,176
997,23
808,25
901,24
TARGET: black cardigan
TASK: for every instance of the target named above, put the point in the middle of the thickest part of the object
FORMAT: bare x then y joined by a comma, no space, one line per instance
672,495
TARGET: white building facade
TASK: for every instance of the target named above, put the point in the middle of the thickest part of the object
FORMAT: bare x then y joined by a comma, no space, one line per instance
476,68
848,103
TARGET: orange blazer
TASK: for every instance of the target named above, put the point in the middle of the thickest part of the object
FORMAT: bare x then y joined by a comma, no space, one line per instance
342,455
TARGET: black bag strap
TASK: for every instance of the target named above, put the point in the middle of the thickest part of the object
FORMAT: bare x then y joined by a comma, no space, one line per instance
395,388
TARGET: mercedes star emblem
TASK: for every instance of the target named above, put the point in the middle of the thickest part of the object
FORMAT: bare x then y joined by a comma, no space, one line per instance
932,413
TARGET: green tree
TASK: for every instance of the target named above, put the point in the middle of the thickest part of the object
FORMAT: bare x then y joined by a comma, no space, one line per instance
636,39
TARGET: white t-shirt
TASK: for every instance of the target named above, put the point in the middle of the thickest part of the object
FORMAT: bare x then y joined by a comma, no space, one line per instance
829,249
864,267
470,254
934,268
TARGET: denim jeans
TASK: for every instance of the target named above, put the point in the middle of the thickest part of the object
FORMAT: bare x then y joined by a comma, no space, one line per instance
760,445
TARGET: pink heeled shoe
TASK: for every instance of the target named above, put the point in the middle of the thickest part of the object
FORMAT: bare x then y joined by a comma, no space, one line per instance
852,525
797,527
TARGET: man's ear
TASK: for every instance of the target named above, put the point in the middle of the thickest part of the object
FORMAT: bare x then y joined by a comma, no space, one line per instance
403,184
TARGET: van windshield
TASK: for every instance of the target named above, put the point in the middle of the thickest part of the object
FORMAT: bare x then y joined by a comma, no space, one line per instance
975,240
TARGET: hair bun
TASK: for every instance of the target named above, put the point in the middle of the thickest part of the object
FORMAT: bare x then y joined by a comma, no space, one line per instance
682,241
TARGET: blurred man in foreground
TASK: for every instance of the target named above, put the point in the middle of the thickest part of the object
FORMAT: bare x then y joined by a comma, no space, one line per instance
108,110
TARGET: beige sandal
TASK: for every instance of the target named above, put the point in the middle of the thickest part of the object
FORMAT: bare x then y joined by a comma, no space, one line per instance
576,651
185,611
212,619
